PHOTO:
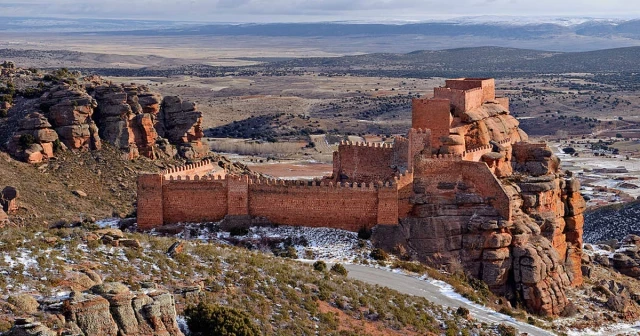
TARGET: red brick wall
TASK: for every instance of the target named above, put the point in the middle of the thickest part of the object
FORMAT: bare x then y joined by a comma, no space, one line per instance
238,196
473,99
194,201
387,206
346,206
365,163
504,102
318,206
487,85
150,212
432,114
419,142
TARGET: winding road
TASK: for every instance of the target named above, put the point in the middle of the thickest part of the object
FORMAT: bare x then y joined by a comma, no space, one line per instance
436,294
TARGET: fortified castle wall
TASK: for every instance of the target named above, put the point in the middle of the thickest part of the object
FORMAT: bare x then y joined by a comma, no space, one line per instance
164,199
446,194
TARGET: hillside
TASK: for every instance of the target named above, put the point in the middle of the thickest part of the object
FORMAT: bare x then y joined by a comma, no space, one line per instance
281,297
612,222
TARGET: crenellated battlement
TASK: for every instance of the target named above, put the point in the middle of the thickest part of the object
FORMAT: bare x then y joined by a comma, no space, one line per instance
261,181
404,179
186,167
365,144
447,157
478,149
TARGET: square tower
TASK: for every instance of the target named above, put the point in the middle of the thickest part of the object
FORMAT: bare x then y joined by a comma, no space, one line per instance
432,114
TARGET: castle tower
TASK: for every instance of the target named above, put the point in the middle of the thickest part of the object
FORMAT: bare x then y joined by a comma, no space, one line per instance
432,114
466,94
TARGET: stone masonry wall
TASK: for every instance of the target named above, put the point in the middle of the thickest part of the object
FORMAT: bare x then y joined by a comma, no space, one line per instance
344,207
194,201
434,115
364,162
348,206
461,100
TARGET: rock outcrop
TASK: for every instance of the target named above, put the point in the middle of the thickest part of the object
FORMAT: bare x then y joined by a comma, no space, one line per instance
112,309
70,109
533,257
624,257
34,140
180,122
28,327
126,116
130,117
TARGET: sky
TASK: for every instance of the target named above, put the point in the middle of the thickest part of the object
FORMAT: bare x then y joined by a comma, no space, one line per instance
314,10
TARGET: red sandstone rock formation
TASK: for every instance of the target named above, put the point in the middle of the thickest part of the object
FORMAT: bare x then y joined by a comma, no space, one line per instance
180,122
135,120
126,117
69,109
34,128
112,309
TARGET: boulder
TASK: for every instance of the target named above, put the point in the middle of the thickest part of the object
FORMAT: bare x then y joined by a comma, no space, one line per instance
24,303
80,193
33,140
619,303
4,219
28,327
112,309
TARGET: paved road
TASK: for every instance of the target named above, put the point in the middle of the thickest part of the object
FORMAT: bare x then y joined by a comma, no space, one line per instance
412,286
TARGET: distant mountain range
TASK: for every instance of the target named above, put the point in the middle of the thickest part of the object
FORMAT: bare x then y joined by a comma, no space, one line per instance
481,60
501,29
568,34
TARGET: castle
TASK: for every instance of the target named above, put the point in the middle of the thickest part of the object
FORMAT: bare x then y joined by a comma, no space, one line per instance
464,185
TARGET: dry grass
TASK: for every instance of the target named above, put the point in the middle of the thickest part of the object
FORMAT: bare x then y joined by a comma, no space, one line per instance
256,148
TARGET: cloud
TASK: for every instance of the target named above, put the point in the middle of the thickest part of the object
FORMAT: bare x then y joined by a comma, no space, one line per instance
313,10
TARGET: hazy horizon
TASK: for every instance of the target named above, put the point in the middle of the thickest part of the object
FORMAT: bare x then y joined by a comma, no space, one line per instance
283,11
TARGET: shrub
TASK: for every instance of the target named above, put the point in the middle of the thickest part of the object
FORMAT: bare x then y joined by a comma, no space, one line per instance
505,330
57,146
291,252
205,319
26,140
320,266
339,269
462,311
31,93
239,231
3,113
414,267
379,254
364,233
7,98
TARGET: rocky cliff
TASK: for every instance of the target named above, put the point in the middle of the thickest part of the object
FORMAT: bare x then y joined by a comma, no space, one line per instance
126,116
69,109
79,114
180,122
